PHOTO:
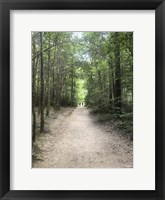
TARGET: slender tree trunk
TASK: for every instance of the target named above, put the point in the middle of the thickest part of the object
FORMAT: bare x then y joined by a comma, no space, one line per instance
101,97
110,94
42,85
110,87
72,86
58,92
38,90
54,84
33,98
48,82
57,75
117,74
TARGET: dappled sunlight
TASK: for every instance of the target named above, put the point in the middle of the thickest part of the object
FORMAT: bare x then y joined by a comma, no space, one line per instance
77,76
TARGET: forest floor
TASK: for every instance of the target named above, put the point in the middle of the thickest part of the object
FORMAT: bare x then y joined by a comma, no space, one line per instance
76,140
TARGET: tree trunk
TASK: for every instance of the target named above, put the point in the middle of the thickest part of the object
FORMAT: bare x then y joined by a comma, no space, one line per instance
117,74
72,86
42,85
101,97
33,98
48,82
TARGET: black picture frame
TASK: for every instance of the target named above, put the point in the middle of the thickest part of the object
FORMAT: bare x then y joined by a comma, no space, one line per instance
5,7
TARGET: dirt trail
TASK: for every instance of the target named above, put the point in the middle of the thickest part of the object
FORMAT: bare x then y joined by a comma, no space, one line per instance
77,141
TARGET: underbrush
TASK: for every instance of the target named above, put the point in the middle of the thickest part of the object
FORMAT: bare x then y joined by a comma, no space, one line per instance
122,122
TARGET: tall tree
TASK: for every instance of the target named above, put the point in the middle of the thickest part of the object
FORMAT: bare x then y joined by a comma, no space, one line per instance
48,77
33,95
69,67
42,84
117,73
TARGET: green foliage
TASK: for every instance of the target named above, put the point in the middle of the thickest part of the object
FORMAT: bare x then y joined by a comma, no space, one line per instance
81,91
95,67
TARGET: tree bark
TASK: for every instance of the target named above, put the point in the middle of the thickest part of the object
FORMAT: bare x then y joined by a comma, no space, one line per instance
117,74
72,86
48,82
42,85
33,98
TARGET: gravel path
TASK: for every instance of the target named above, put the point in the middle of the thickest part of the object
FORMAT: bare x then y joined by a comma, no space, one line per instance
75,140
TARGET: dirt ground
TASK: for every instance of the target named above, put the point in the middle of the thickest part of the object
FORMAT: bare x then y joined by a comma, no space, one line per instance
76,140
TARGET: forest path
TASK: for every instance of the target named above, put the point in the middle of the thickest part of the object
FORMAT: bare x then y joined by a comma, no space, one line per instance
76,140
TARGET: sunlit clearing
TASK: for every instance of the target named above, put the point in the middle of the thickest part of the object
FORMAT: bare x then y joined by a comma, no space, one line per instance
81,92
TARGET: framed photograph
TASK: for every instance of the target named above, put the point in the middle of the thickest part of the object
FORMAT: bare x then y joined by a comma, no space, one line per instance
82,99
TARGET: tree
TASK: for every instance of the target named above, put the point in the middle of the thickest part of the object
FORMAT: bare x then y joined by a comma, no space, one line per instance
117,73
33,95
42,84
73,67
